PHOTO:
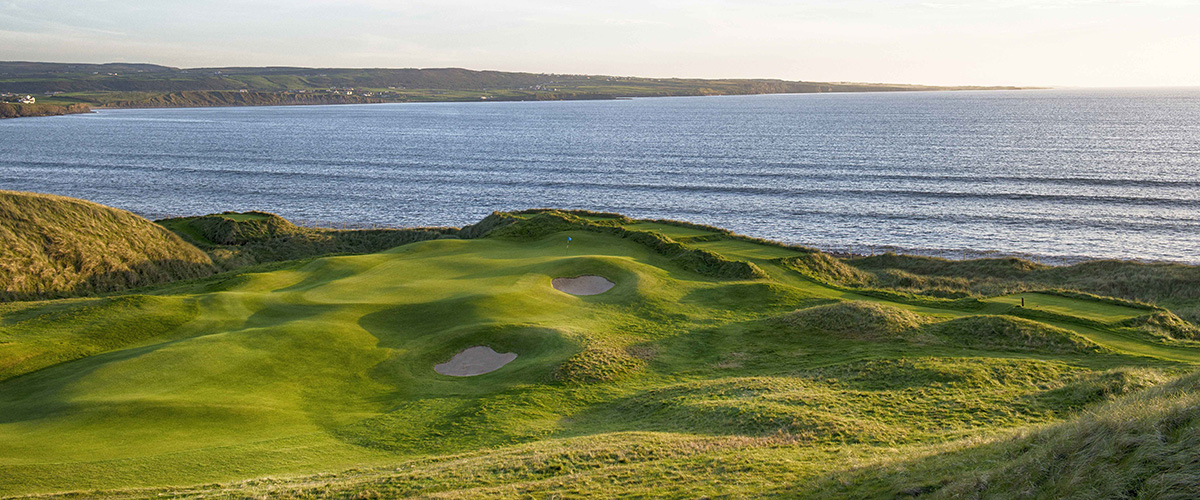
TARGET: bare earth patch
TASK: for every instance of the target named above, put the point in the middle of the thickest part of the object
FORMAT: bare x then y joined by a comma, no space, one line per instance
582,285
473,361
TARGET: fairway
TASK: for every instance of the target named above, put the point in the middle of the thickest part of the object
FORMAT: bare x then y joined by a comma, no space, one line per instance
468,348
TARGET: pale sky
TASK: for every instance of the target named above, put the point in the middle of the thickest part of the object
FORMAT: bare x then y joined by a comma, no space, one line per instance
976,42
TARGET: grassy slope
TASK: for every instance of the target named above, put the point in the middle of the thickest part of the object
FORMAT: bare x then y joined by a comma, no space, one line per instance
673,383
57,246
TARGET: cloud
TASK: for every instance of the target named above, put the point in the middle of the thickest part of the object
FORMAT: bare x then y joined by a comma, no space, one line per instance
1076,42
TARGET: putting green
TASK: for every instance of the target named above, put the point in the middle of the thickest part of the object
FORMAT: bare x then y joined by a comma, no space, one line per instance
1089,309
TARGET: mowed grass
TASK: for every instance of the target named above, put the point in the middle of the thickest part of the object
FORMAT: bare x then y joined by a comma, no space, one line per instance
1090,309
298,354
674,231
316,378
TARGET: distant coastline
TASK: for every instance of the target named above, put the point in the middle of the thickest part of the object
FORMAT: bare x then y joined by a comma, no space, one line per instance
153,86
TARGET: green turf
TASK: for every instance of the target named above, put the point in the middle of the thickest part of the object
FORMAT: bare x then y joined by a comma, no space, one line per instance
674,231
746,250
672,383
245,216
1099,311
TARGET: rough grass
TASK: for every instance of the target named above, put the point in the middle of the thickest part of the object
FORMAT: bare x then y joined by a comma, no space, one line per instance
602,363
236,240
1166,284
855,320
1141,445
233,228
1008,333
53,246
1164,324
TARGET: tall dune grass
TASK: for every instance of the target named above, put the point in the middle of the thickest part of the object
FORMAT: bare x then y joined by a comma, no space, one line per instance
53,246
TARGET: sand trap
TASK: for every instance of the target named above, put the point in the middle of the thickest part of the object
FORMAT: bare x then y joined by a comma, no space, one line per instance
583,285
473,361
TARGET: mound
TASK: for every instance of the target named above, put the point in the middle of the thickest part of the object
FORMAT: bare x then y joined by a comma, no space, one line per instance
1008,333
828,269
54,246
583,285
473,361
235,240
232,228
1164,324
601,363
854,319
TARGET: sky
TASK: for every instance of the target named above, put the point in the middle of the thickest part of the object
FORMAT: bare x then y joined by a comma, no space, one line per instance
1098,43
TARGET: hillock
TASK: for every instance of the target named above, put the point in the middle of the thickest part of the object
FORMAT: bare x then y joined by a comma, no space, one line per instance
236,240
54,246
854,319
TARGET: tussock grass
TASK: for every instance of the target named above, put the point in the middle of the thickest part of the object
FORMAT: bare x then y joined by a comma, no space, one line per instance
854,319
53,246
825,268
1008,333
1164,324
1140,445
602,363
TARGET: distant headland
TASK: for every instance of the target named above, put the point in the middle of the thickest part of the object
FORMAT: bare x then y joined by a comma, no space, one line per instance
72,88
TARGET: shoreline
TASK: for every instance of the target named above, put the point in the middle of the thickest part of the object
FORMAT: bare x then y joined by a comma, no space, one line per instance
556,97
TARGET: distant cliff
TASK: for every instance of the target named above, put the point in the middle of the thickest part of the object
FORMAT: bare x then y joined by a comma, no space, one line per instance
13,110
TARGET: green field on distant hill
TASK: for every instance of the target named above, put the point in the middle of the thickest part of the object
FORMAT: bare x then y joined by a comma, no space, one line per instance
718,365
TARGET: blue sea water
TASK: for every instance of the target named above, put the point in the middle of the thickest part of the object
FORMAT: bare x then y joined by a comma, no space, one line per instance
1056,174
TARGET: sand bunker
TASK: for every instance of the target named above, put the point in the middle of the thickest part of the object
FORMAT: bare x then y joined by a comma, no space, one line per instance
473,361
583,285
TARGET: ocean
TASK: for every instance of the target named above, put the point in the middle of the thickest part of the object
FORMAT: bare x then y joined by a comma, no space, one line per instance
1055,175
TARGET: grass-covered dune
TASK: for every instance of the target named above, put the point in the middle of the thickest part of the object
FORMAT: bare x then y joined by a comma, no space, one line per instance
56,246
718,365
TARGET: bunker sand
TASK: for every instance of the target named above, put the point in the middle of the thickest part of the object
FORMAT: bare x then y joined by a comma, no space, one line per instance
473,361
582,285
